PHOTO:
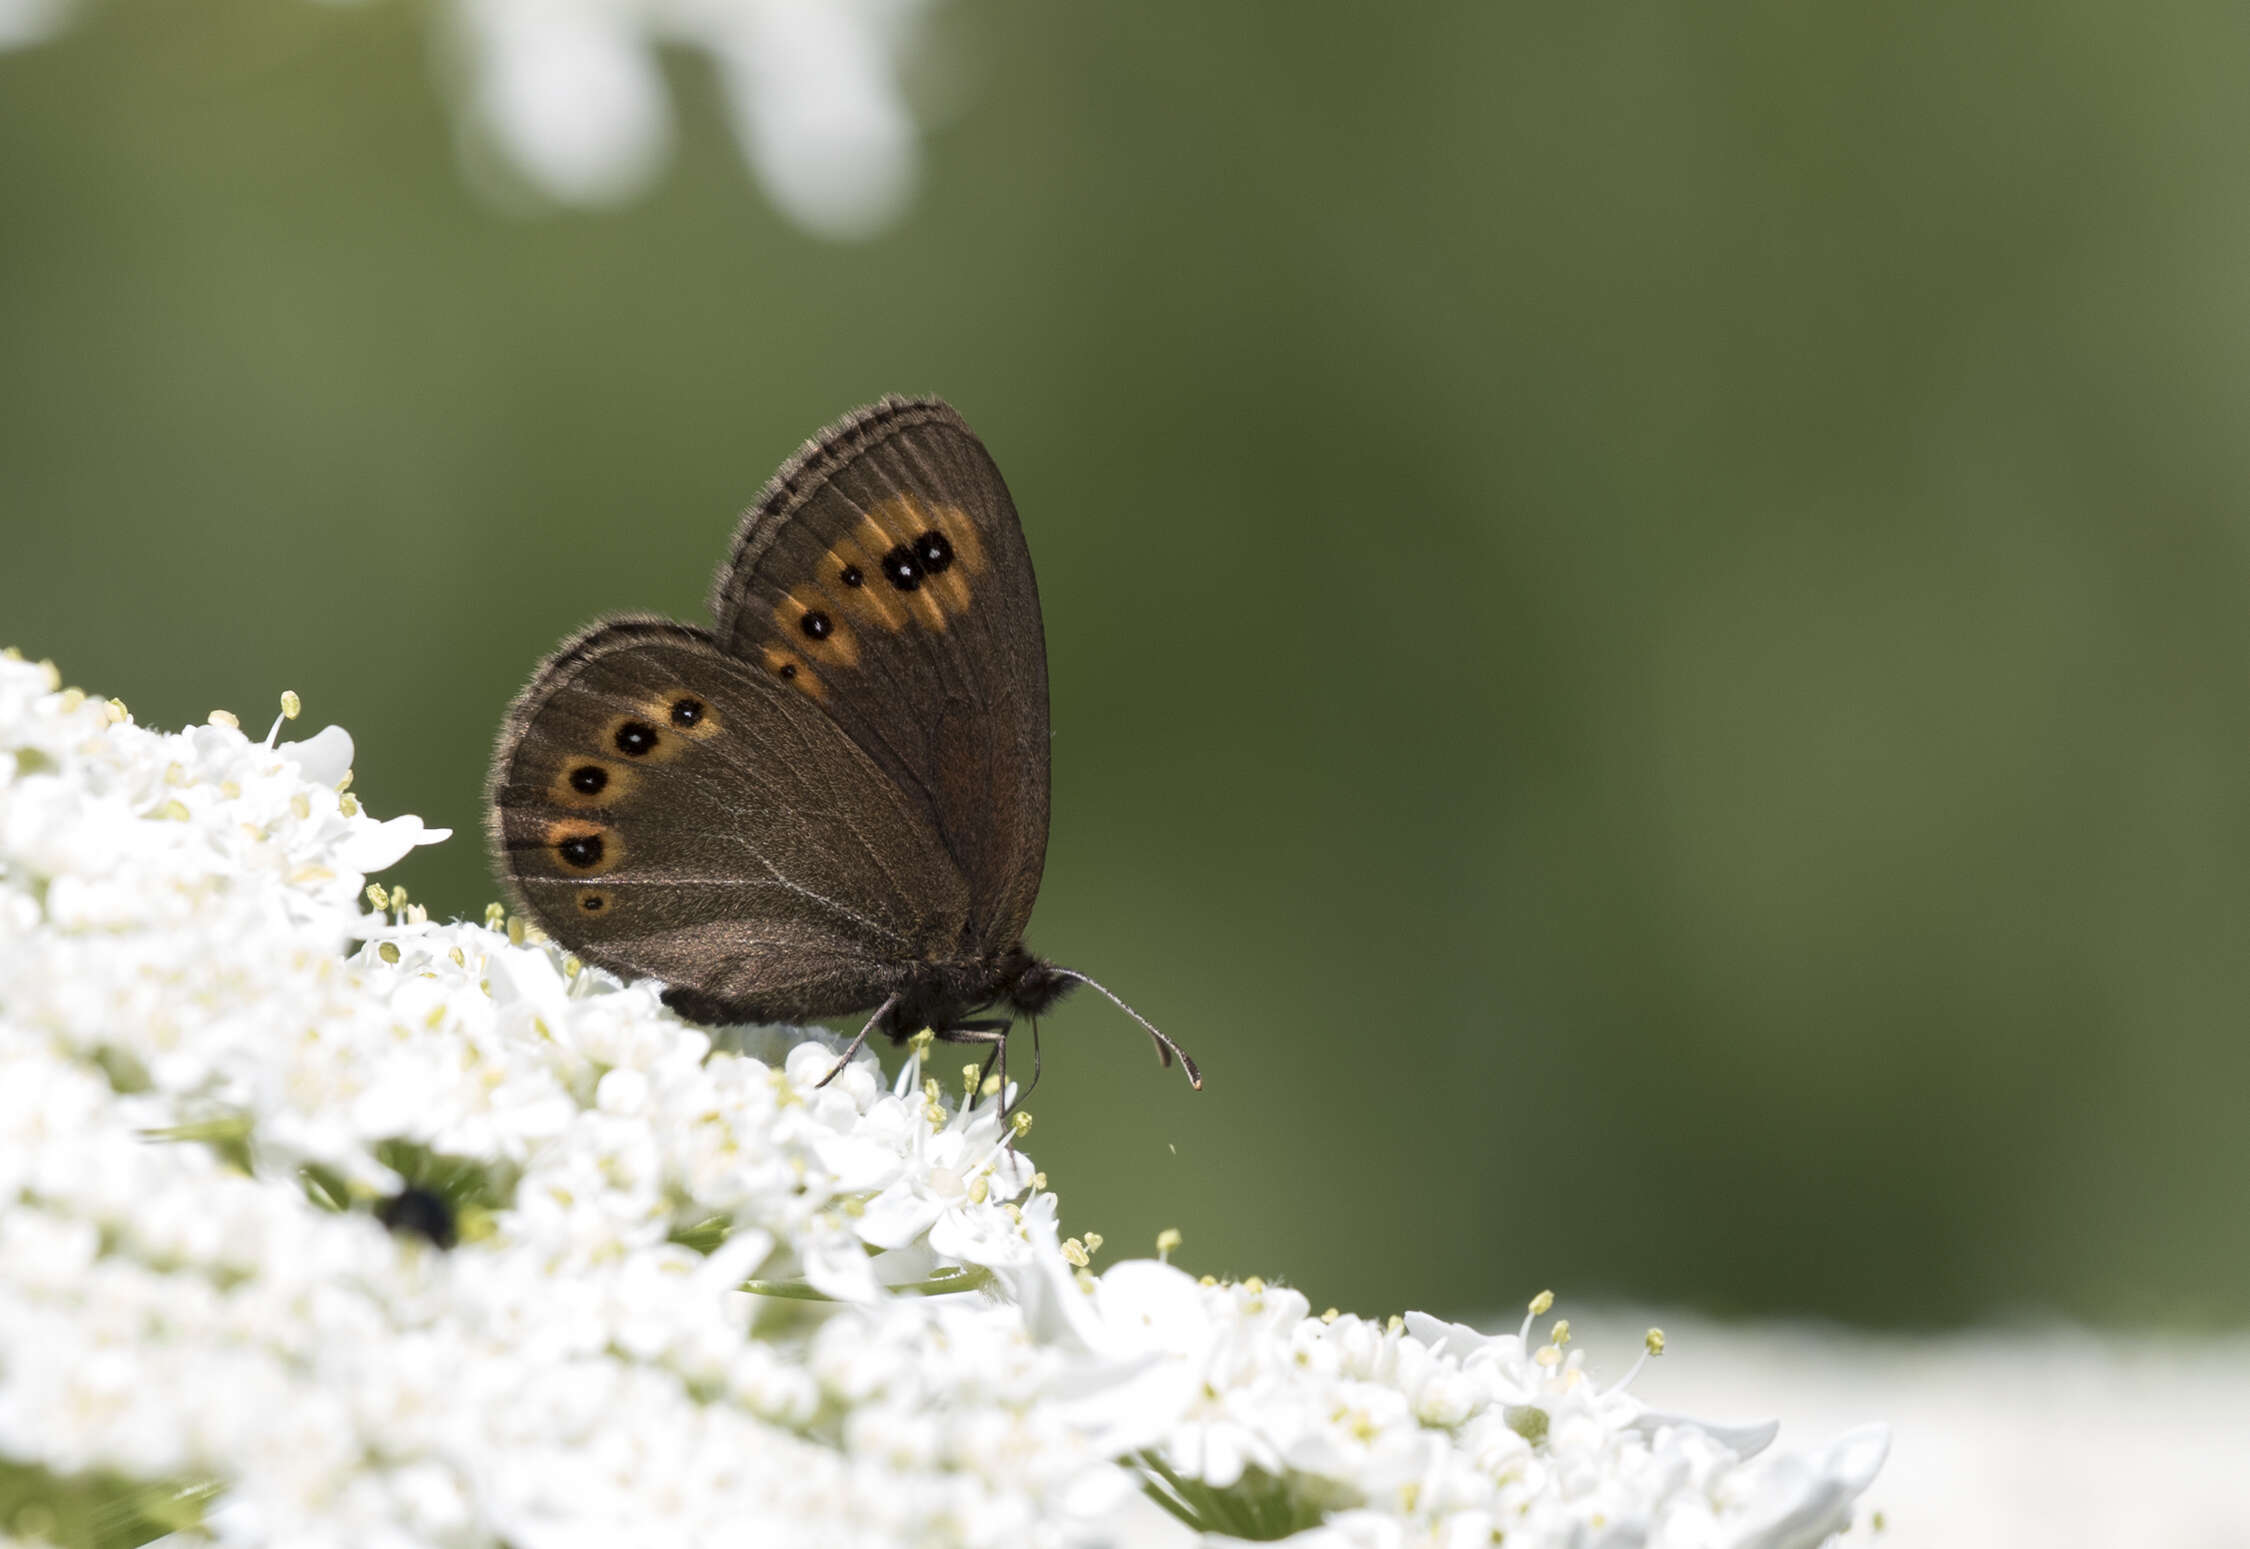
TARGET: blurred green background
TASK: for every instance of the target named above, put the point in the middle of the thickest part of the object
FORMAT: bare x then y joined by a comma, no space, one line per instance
1646,604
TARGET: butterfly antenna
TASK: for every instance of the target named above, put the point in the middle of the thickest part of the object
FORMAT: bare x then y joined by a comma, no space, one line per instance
1166,1049
845,1058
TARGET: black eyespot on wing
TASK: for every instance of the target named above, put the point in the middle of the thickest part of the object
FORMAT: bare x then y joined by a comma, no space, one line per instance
581,850
816,624
902,569
686,712
852,577
592,903
635,738
786,670
589,779
934,550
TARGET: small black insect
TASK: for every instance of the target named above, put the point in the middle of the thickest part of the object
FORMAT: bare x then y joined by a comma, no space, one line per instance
415,1211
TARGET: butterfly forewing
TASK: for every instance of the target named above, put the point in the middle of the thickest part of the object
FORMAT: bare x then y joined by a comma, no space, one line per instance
672,810
882,579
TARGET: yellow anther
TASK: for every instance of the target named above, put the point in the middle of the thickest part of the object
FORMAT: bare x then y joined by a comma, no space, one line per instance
1075,1253
1085,1282
854,1208
1548,1357
921,1041
117,712
387,951
991,1087
174,775
1561,1333
175,810
969,1078
515,930
572,968
1208,1280
1166,1241
460,958
1396,1325
930,1091
1653,1341
1015,1212
1093,1242
300,806
225,718
348,804
345,783
1254,1286
1038,1181
291,705
73,699
1541,1304
935,1114
980,1189
398,896
1020,1121
1330,1315
377,897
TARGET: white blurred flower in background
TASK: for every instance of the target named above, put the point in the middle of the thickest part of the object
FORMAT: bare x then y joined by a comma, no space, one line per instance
24,22
567,98
334,1225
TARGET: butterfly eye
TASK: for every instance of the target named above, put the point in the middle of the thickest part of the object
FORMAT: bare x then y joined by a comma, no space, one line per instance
636,738
934,551
686,712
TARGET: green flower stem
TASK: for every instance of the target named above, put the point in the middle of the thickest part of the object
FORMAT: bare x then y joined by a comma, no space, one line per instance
944,1283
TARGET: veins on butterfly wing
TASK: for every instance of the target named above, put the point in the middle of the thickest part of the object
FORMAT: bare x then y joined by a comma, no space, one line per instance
836,813
802,766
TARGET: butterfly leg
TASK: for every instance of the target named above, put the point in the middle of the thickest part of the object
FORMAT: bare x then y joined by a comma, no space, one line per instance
984,1030
1027,1091
845,1058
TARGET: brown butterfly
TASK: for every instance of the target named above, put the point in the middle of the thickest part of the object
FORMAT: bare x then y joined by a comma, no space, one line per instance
835,798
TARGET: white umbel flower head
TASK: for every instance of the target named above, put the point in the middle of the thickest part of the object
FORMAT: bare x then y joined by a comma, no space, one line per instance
331,1224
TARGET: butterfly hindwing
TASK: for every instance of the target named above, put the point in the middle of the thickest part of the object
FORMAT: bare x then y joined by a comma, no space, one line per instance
671,810
882,578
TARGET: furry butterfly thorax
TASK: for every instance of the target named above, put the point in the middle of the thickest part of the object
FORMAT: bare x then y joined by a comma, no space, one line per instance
834,799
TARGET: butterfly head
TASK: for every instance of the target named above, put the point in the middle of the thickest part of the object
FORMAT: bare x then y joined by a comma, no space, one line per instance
1032,984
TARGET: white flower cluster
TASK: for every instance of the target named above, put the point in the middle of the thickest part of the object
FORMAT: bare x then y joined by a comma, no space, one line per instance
325,1225
569,96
